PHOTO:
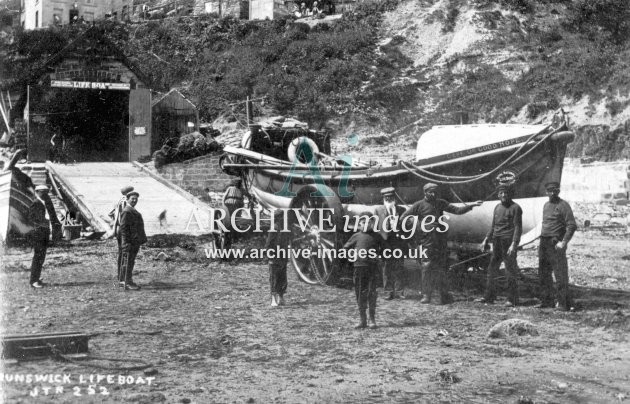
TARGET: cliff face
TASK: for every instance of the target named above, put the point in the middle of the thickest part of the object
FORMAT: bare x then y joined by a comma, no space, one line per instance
390,69
515,61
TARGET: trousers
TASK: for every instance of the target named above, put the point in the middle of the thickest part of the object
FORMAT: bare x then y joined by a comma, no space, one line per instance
394,275
434,270
365,275
119,262
39,241
131,253
499,254
553,261
278,276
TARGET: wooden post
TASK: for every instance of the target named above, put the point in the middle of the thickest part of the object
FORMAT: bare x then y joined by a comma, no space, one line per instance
250,112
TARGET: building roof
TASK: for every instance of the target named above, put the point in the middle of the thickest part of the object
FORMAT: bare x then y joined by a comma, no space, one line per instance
172,92
92,40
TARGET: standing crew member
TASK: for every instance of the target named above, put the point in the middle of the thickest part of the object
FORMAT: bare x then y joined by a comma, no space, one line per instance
40,234
505,234
394,278
434,240
132,237
115,214
366,244
557,230
279,242
233,197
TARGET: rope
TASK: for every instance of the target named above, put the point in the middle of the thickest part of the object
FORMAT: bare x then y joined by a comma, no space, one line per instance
488,253
58,355
469,179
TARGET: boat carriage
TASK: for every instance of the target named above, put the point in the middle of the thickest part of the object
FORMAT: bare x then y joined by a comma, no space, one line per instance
287,166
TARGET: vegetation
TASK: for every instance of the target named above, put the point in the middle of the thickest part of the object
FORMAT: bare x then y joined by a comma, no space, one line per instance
340,72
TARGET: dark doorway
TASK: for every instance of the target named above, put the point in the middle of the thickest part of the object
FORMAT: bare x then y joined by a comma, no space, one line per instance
93,123
74,15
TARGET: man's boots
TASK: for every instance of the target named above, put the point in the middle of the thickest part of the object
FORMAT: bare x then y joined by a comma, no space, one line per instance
362,321
372,321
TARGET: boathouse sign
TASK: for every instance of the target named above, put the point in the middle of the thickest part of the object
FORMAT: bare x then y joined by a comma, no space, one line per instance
90,85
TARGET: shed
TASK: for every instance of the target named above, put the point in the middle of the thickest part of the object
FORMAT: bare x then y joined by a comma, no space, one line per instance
173,115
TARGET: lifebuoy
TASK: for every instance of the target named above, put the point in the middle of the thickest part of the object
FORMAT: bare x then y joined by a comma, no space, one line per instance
307,150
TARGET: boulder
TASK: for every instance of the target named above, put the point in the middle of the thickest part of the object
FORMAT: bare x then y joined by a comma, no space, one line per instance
512,327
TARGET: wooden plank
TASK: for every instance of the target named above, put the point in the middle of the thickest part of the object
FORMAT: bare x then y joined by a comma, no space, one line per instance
39,345
86,211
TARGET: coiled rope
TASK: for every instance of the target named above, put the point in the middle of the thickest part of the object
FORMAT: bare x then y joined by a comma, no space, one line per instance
460,179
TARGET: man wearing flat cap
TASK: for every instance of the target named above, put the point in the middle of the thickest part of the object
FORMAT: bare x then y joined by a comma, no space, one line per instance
388,213
557,230
40,234
115,214
132,237
434,240
505,234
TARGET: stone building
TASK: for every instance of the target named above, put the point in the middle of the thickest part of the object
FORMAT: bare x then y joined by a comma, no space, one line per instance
95,98
222,8
45,13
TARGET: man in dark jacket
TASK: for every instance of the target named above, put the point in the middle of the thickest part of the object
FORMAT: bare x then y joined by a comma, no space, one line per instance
505,234
39,236
557,230
132,237
434,241
394,279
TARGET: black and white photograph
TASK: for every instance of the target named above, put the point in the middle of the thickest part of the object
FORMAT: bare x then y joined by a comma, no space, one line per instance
315,201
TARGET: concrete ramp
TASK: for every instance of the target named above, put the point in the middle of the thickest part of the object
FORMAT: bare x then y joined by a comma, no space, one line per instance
96,187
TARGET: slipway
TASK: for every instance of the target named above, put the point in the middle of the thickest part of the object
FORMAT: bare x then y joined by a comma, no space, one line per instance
94,189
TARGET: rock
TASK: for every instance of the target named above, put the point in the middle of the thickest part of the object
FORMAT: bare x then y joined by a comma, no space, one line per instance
185,400
562,386
150,372
154,397
162,256
512,327
338,379
251,400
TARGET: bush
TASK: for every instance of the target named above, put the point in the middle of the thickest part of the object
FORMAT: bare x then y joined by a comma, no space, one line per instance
452,12
593,16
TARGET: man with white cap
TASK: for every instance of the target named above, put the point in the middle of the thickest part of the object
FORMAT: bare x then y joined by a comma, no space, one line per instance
40,234
558,227
393,268
132,237
433,238
115,214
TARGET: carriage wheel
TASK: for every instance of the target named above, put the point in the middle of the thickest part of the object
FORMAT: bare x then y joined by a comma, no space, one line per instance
311,237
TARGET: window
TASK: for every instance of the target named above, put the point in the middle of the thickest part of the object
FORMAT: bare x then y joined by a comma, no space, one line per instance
36,19
89,16
57,16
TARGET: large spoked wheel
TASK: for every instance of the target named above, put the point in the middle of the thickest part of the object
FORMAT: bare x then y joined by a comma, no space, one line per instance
312,235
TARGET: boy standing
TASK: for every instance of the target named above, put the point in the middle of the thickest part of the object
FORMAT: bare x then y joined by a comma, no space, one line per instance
367,245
